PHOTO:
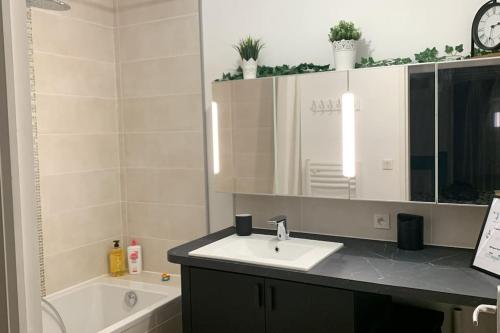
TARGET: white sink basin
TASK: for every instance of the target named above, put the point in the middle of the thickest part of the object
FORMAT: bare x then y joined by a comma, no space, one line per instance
295,253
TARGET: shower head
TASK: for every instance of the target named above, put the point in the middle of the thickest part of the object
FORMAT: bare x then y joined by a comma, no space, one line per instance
58,5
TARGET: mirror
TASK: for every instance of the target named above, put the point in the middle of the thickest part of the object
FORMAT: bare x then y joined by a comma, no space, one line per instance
469,131
244,150
284,135
421,125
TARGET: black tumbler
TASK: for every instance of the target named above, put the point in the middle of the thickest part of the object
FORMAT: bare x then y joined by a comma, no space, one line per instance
243,224
410,232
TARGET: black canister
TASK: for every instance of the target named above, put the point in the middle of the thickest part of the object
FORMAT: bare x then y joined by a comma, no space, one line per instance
410,232
243,224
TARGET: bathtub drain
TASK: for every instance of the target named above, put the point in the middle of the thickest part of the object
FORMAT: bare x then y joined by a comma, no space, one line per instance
131,298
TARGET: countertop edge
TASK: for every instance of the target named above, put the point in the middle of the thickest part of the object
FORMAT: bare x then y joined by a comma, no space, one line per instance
179,255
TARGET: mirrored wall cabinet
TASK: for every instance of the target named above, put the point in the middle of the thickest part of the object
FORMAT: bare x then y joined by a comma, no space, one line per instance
427,133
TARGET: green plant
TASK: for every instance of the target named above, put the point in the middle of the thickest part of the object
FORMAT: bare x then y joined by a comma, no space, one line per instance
454,51
370,62
344,30
428,55
266,71
249,48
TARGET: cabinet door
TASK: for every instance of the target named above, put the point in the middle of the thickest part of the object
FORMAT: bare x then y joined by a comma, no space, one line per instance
226,302
296,307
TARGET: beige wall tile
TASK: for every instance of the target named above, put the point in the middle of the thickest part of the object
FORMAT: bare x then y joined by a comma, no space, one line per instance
180,75
71,267
65,192
221,91
254,140
355,218
456,225
254,185
181,112
154,252
62,153
170,149
138,11
254,165
81,227
73,114
185,150
160,39
97,11
76,39
166,221
253,114
249,91
174,186
146,150
69,76
444,225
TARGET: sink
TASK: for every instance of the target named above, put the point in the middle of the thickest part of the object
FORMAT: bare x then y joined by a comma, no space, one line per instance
295,253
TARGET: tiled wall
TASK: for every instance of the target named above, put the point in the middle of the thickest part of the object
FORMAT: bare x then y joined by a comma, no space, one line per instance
162,125
457,226
78,139
118,89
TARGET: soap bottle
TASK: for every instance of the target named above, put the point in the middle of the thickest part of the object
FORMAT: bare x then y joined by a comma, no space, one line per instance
116,260
134,256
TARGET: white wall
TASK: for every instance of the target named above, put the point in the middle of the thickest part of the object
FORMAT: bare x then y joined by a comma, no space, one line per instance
297,31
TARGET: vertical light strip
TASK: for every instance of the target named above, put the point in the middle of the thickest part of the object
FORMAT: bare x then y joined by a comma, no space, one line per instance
215,137
496,119
348,136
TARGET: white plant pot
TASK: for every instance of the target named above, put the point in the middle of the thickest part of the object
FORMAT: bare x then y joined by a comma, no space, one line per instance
249,68
344,54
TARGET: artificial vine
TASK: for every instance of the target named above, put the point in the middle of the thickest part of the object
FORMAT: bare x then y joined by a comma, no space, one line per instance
267,71
425,56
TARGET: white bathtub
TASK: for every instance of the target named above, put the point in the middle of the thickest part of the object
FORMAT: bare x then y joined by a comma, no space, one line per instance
99,306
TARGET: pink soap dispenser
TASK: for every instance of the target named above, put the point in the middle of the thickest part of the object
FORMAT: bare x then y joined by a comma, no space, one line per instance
134,256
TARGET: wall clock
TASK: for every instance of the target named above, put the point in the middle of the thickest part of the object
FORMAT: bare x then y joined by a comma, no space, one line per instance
486,27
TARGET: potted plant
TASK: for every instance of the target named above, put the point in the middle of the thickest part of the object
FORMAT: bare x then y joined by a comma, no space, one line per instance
344,37
249,50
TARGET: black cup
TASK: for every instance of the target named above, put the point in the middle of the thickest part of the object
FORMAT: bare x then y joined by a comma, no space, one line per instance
243,224
410,232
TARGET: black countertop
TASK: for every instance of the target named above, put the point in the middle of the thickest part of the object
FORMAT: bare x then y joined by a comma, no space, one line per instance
437,274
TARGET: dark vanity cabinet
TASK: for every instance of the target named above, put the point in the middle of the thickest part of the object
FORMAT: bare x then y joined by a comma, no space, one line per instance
223,302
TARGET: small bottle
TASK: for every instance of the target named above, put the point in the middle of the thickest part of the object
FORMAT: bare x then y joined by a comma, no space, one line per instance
116,260
134,255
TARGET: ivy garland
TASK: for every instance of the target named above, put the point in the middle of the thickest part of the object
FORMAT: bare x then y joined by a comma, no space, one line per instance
426,56
267,71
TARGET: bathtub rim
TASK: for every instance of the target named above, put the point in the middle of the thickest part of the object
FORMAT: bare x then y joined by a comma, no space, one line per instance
173,293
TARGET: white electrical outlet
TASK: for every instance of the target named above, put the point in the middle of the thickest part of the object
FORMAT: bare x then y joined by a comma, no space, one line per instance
381,221
388,164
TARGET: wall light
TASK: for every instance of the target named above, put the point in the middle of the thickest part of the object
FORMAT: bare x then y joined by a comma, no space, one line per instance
348,135
496,119
215,137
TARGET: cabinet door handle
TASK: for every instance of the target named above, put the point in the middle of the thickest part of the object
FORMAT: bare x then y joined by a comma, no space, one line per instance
272,296
259,291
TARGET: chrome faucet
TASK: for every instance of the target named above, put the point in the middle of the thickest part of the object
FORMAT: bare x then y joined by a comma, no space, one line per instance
281,225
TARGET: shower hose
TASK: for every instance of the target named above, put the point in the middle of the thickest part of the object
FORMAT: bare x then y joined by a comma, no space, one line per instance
58,316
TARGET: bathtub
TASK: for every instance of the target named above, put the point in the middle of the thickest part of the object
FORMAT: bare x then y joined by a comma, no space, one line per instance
111,305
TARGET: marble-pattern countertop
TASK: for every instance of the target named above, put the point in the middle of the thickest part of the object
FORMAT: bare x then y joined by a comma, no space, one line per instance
437,274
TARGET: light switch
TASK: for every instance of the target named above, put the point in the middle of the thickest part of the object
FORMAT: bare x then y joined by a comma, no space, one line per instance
388,164
381,221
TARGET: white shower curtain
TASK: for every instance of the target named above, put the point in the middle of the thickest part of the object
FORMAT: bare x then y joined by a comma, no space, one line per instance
288,175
